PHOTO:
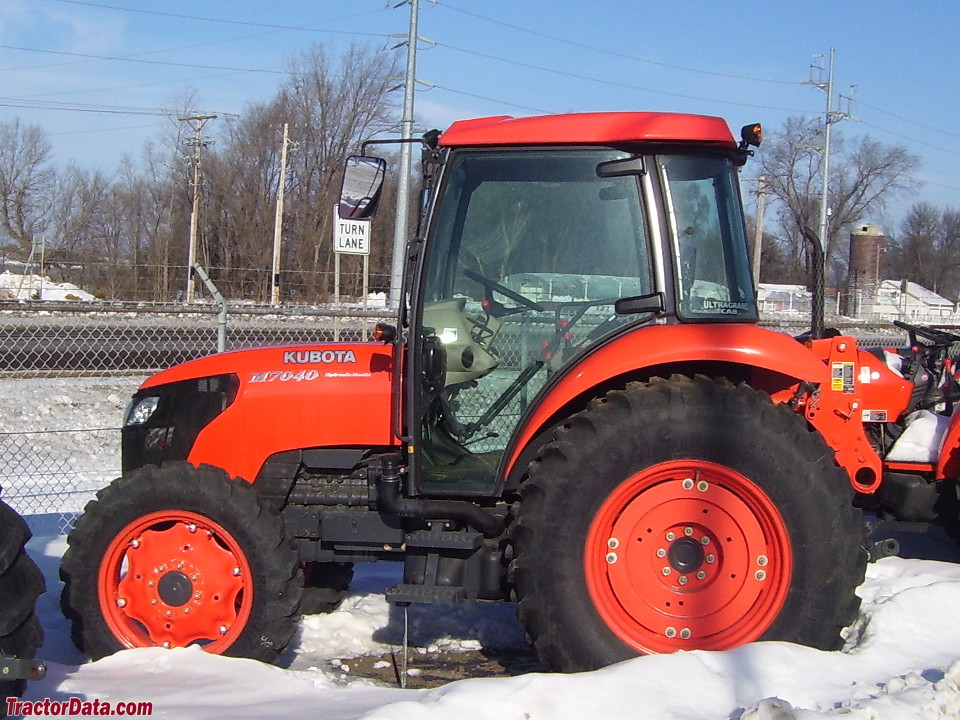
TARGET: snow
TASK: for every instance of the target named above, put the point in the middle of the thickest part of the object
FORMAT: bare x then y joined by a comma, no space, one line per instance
14,286
901,660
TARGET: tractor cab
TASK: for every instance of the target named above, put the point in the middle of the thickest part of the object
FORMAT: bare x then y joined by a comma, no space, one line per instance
532,256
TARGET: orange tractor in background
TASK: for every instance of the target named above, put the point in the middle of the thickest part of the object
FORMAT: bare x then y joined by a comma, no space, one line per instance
576,410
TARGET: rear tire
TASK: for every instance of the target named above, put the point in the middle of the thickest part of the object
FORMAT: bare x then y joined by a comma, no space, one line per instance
682,514
177,556
21,583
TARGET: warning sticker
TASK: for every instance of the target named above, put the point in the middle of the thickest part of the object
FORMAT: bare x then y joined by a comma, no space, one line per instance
874,416
842,377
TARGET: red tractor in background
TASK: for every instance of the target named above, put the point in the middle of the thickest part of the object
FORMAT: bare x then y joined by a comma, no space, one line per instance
576,410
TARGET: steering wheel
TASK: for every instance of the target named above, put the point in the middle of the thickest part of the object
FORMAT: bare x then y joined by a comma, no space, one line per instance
494,286
938,337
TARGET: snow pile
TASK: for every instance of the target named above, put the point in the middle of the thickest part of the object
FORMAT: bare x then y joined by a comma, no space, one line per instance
902,663
34,287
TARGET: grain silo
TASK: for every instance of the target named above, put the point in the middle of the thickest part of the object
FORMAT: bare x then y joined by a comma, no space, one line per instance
863,278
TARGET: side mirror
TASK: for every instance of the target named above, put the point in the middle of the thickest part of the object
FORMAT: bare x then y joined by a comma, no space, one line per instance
362,184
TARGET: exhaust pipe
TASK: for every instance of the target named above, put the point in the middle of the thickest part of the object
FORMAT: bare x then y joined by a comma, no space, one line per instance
391,501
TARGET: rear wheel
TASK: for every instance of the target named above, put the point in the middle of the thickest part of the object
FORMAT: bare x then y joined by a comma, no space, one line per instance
681,514
178,556
21,583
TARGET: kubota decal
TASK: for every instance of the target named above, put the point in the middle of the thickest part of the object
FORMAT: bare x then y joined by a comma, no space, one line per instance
304,357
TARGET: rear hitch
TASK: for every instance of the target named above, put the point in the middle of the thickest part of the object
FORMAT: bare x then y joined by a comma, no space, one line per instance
17,669
879,549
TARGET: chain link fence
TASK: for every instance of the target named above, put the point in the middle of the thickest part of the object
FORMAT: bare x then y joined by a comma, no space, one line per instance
67,371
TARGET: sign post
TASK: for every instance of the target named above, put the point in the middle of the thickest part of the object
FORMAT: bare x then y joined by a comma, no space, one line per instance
351,237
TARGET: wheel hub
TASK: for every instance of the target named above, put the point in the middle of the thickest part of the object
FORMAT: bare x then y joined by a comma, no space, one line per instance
685,555
175,589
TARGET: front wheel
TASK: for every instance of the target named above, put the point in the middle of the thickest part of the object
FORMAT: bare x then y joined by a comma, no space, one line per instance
178,556
682,514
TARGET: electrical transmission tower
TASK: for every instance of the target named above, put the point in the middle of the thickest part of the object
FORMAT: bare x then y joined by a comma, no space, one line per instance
830,117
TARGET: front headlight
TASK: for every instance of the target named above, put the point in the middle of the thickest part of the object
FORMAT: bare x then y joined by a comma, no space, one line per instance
139,410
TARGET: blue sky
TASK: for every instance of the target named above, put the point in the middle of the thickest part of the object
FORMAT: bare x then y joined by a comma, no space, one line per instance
743,61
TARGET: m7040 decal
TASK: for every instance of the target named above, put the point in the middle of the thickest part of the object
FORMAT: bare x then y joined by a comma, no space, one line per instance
284,376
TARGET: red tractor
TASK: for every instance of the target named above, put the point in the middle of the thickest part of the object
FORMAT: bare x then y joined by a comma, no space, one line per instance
576,410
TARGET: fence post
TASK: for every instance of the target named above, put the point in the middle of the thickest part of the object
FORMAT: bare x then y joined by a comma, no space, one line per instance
222,319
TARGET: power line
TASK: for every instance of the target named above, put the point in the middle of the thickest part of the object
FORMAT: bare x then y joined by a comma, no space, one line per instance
83,107
142,61
227,21
614,83
613,53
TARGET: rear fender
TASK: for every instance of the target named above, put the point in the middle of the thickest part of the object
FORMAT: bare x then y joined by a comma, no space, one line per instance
770,361
948,464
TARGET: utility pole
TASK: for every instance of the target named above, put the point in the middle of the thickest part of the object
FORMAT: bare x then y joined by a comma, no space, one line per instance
830,117
278,222
758,233
198,142
400,236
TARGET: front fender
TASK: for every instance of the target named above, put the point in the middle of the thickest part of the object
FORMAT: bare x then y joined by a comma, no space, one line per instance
651,346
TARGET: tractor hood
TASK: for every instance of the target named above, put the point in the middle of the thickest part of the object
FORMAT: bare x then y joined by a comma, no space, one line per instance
279,398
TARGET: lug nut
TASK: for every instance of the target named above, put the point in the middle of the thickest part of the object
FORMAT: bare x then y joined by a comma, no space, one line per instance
121,602
701,575
687,484
613,543
236,572
670,632
685,634
760,575
688,531
611,558
710,558
191,527
666,571
670,536
682,580
762,560
134,543
705,540
661,553
703,486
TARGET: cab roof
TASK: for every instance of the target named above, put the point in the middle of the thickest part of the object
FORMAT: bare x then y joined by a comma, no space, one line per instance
610,128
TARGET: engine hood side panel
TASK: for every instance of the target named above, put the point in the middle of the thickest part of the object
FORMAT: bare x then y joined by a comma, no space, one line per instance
330,395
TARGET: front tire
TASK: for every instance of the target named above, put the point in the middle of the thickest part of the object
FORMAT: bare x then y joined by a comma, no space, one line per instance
176,556
21,583
681,514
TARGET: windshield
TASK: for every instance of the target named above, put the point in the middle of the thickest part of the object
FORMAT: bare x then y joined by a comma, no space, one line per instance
542,223
703,207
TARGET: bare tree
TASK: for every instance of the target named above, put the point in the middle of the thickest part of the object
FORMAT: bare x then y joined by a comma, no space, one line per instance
25,181
927,249
332,105
865,175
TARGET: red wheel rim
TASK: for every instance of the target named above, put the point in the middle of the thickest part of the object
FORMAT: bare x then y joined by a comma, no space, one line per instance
175,578
688,554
